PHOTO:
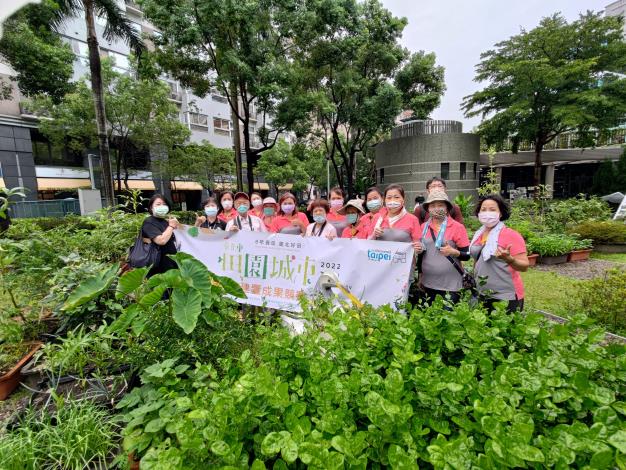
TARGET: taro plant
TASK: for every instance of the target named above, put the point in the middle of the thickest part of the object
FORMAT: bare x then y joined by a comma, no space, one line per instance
191,291
465,204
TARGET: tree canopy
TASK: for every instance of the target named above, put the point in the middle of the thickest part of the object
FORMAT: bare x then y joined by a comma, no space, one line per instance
558,77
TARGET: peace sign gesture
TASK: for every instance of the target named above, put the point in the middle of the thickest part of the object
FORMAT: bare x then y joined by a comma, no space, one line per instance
504,254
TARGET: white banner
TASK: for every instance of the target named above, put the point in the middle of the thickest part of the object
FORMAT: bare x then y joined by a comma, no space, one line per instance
274,269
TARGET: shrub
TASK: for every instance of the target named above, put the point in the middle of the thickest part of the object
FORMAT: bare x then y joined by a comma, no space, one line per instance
79,435
604,299
374,388
550,244
602,231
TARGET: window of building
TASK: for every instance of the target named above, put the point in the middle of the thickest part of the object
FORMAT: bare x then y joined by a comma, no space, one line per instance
445,171
381,178
80,48
221,126
475,171
463,171
121,60
199,121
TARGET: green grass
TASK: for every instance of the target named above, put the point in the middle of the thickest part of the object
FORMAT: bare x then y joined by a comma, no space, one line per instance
548,291
615,257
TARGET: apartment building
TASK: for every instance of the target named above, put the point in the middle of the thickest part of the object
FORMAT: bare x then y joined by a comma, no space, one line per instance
27,159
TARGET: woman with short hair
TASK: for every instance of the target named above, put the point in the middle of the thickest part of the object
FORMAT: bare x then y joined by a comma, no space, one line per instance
209,219
159,229
500,254
320,227
289,221
353,210
336,201
256,203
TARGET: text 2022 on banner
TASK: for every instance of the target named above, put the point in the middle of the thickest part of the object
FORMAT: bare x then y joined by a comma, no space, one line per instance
274,269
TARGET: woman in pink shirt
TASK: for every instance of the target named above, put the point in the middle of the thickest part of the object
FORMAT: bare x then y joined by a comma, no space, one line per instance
396,224
500,254
256,201
373,207
336,200
227,199
289,220
353,210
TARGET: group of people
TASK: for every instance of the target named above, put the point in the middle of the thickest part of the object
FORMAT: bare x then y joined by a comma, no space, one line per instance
435,229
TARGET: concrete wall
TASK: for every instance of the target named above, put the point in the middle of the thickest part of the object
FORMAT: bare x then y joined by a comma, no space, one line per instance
16,147
411,161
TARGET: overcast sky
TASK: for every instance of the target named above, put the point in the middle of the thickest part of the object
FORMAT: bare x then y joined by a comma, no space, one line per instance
457,31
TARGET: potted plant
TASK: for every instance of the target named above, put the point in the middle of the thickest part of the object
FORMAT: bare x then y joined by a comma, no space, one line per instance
581,250
552,248
532,253
12,358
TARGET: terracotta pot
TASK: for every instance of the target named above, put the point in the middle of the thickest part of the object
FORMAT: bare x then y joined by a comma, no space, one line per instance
579,255
10,380
549,260
532,259
133,463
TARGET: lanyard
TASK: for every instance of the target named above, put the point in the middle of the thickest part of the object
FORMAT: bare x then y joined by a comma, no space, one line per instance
440,236
238,222
321,230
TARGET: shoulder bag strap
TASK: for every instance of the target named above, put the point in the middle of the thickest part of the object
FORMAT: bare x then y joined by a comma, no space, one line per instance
456,265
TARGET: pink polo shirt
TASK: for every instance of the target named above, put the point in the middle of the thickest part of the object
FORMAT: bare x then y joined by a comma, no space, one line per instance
358,232
227,216
281,222
366,220
495,267
408,223
332,216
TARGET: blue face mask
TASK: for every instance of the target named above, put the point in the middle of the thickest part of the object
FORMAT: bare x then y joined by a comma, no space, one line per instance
268,211
243,209
374,204
352,218
320,219
210,211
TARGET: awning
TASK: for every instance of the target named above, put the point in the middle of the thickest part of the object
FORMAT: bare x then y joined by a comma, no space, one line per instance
287,187
145,185
222,186
186,186
261,186
46,184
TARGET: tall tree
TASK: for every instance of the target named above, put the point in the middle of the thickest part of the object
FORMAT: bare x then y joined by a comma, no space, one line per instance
139,115
250,45
351,56
42,62
555,78
117,27
281,166
210,166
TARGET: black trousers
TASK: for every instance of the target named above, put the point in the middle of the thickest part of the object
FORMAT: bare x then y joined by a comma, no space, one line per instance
431,294
512,306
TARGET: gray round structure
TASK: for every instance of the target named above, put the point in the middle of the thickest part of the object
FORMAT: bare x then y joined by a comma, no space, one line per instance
419,150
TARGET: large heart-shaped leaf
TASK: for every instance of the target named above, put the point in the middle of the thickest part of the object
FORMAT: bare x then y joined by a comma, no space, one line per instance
230,286
130,281
186,306
91,288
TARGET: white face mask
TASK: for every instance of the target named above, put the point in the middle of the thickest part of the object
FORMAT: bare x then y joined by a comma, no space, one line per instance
256,202
489,219
227,205
394,205
160,211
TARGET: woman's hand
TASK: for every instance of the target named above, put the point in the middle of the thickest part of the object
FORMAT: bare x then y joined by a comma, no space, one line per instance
200,220
504,254
378,232
331,236
234,228
173,222
418,247
447,250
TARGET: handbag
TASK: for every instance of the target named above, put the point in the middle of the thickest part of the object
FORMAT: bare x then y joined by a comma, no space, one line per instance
468,280
144,253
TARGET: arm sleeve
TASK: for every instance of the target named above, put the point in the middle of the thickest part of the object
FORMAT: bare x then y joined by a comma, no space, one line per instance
151,230
465,254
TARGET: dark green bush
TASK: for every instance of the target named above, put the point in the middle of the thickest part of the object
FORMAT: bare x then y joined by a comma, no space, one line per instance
600,232
604,299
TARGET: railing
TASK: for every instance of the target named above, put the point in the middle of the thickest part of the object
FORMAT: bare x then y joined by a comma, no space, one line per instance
426,127
565,141
52,208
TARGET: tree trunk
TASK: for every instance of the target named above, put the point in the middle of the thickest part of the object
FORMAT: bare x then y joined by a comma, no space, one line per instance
236,136
97,88
351,174
537,173
118,170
